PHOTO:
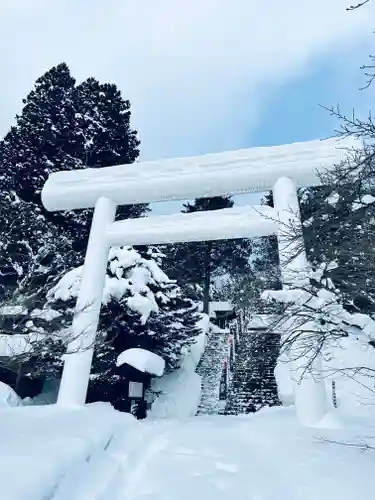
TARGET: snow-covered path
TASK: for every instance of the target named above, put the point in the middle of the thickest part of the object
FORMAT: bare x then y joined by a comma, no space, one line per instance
266,456
95,453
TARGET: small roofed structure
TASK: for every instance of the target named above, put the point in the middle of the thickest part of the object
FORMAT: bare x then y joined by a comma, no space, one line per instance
221,312
262,321
138,366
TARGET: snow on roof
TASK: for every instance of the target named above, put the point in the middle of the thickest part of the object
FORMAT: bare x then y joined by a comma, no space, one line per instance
233,172
261,321
143,360
14,345
238,222
216,306
12,310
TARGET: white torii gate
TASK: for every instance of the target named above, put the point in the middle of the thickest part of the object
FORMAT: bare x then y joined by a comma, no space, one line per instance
281,169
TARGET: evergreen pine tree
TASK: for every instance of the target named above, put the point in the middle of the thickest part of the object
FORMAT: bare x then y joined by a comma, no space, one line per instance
103,119
45,137
61,127
198,263
64,127
32,250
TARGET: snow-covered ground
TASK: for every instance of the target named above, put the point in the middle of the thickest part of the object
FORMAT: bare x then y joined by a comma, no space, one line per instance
94,453
266,456
40,445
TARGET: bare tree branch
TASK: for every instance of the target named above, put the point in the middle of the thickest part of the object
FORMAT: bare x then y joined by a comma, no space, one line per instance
357,6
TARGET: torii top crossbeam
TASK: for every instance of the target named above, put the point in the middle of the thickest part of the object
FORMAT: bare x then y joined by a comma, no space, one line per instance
228,173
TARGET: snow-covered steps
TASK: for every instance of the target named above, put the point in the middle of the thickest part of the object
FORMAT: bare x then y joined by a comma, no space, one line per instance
210,370
253,384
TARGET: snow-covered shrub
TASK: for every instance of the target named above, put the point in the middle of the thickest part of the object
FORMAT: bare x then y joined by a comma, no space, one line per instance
321,336
141,308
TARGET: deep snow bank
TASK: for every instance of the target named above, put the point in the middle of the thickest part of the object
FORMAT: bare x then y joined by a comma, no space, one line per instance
350,363
41,445
180,391
8,397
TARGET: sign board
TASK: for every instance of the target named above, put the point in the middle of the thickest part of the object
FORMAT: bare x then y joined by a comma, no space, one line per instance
135,390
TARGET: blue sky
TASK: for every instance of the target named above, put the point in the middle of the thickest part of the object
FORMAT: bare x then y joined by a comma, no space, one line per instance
202,75
294,112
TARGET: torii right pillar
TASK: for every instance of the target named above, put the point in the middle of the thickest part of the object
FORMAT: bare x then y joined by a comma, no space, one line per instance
309,391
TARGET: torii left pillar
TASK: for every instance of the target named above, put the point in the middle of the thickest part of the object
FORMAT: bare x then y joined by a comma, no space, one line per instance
77,361
309,390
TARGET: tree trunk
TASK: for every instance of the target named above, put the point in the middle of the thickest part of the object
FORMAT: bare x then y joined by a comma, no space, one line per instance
207,278
18,378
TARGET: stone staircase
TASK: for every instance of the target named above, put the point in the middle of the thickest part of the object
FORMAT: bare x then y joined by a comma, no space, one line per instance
210,369
253,383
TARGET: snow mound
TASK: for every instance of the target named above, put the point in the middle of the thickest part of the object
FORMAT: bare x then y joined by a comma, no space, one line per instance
44,445
8,397
284,381
180,393
143,360
350,363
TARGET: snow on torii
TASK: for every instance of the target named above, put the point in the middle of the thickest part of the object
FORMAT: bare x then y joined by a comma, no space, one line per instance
281,169
228,173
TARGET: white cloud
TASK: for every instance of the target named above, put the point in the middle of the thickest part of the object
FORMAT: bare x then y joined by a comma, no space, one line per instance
196,71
